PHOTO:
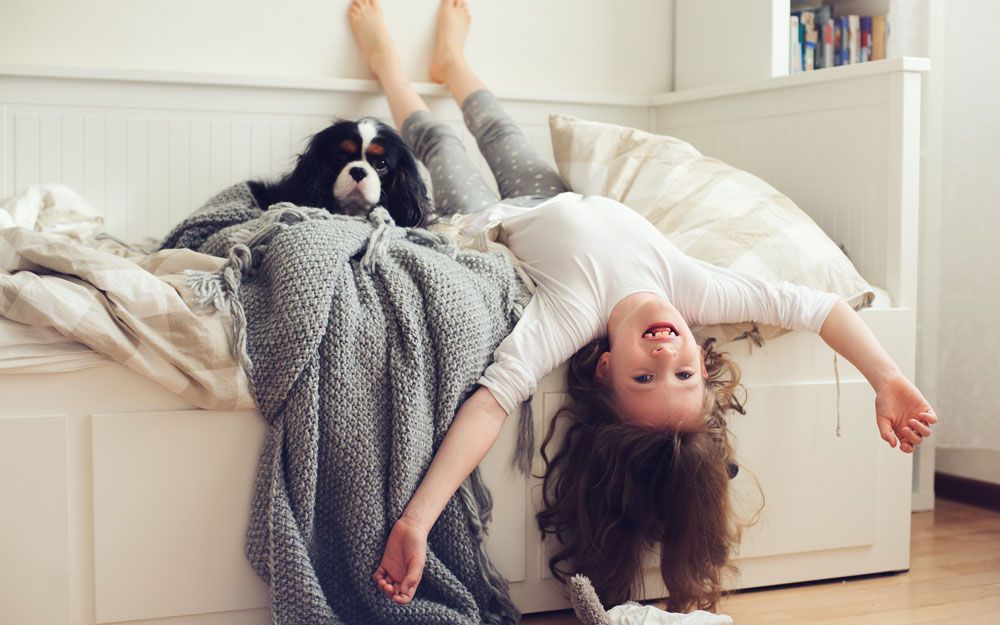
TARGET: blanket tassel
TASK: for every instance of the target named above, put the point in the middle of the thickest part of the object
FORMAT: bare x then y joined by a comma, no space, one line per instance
479,502
524,451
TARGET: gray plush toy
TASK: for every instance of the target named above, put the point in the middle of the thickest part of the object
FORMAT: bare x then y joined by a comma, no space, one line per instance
590,611
585,602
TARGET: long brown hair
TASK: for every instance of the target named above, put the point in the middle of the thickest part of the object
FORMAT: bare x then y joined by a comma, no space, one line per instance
614,490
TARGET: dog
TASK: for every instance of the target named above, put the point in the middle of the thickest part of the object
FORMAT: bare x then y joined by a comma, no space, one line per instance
349,168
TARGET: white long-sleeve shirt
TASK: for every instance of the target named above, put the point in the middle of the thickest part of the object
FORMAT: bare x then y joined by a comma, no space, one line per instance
585,255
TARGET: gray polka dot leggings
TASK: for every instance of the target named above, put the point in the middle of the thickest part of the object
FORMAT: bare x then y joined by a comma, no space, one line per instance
521,175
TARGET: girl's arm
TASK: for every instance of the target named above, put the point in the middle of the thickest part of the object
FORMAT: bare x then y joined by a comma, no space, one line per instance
540,341
901,411
708,294
470,436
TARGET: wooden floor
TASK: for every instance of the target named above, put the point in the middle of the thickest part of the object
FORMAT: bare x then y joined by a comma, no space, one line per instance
954,579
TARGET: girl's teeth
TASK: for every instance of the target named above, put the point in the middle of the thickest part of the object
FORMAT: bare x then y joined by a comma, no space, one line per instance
660,333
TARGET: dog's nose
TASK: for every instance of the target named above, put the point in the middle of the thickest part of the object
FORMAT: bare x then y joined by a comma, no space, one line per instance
358,173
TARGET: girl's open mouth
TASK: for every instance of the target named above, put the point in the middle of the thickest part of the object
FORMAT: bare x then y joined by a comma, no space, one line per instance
660,332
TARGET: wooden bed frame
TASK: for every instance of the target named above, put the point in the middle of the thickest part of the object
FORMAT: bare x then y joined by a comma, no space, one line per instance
124,503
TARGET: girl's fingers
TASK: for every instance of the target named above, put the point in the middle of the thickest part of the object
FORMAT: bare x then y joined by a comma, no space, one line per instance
385,582
906,447
929,417
908,435
885,429
920,428
409,585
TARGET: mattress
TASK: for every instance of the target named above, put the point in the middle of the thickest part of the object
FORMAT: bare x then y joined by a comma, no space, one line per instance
42,349
37,349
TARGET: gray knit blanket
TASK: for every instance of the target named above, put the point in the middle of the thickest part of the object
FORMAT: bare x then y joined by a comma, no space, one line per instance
361,340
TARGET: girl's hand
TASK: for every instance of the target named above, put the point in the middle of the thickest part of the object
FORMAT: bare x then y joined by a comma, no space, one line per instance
902,414
402,561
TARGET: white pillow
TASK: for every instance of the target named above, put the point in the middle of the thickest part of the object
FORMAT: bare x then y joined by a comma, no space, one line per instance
709,209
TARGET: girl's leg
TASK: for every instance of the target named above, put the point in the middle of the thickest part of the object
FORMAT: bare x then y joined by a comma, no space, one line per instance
458,187
517,168
375,42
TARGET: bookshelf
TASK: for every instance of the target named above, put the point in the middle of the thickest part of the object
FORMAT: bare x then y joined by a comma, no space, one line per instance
724,41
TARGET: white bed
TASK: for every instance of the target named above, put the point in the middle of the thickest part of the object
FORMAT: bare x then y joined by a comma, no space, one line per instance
124,503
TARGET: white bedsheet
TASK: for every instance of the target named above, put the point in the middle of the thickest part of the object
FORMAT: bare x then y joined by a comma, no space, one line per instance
52,208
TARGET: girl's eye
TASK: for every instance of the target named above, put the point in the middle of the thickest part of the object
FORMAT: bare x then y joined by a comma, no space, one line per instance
683,375
379,164
646,378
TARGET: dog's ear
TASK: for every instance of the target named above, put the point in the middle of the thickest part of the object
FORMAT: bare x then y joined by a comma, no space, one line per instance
405,197
305,185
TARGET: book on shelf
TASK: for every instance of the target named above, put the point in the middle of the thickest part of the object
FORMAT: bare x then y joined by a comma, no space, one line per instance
795,45
866,38
880,34
854,51
819,39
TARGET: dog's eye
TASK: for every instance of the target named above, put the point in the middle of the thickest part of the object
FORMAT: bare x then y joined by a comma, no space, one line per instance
380,165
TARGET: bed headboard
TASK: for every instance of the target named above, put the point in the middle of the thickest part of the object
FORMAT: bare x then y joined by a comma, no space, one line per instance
842,143
148,148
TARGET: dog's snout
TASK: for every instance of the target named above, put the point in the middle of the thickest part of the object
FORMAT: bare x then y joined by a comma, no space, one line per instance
358,173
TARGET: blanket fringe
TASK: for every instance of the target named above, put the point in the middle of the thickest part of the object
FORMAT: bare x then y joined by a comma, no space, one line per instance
478,501
836,375
386,230
219,288
524,450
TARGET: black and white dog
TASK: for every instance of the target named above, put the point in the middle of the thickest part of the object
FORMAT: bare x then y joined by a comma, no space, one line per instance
349,168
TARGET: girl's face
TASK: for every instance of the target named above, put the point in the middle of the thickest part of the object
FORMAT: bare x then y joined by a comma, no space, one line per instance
655,367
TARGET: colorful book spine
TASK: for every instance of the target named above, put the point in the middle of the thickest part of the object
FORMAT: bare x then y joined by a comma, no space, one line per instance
842,39
866,38
879,37
824,44
794,46
854,26
807,24
828,43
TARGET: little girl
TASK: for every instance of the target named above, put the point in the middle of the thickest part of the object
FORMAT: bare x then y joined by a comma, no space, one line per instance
646,455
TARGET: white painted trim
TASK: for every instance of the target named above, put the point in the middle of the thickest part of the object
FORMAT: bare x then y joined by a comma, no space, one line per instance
929,285
873,68
345,85
780,10
351,85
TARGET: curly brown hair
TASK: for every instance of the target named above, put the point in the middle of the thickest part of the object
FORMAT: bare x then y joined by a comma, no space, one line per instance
614,490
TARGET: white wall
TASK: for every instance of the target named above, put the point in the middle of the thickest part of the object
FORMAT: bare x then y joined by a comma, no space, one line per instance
556,45
959,304
968,332
722,41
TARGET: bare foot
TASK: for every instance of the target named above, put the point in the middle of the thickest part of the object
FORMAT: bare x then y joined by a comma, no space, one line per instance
452,27
372,35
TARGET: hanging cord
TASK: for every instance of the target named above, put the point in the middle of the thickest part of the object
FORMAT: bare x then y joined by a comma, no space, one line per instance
753,338
836,374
